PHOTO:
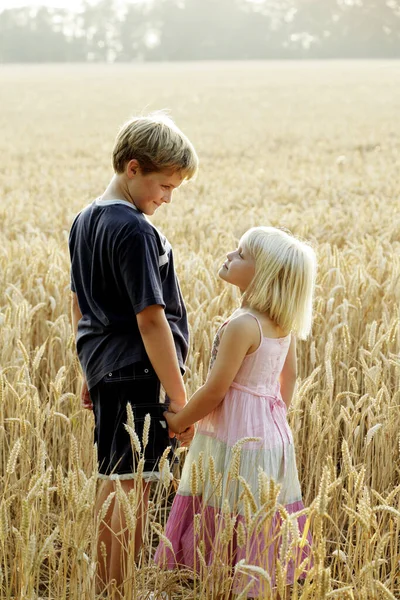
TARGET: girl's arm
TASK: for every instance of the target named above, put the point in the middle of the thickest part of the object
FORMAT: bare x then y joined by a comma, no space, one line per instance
239,335
288,376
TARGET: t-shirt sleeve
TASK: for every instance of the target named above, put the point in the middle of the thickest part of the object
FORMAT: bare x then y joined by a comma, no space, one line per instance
138,257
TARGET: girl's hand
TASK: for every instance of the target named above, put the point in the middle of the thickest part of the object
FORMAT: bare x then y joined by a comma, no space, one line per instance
186,437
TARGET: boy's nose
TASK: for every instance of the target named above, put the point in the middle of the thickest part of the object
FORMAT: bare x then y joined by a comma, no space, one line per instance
167,197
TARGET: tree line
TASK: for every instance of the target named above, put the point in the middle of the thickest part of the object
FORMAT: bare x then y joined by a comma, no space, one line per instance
170,30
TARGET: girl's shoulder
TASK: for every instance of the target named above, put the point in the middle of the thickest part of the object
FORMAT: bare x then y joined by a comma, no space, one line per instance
243,324
244,320
238,320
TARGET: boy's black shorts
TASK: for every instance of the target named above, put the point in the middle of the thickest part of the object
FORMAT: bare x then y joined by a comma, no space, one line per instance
139,385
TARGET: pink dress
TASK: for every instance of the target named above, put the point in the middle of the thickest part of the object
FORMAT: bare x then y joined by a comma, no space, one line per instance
252,407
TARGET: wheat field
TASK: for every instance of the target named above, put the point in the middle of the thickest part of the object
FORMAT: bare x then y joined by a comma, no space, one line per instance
310,146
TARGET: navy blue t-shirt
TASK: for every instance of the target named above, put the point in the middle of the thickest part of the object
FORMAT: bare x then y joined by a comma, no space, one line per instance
120,264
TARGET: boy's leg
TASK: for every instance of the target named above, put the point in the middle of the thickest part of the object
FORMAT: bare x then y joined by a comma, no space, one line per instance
138,385
120,532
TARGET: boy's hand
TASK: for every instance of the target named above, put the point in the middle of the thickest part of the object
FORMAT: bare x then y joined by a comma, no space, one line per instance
85,396
185,436
174,406
173,421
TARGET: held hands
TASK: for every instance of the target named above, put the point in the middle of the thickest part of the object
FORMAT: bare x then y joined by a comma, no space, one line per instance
85,396
172,418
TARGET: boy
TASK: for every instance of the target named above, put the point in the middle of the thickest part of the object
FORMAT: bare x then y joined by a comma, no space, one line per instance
129,317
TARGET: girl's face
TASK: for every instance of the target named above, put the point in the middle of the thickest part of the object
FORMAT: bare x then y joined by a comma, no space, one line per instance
239,268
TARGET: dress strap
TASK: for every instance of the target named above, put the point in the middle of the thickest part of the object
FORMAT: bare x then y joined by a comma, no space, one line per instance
259,326
220,328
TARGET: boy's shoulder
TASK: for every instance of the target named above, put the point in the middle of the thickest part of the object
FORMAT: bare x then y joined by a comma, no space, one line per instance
120,213
120,225
116,216
124,221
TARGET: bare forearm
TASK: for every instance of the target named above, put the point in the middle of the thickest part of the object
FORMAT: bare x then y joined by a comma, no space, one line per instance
76,315
160,348
287,389
202,402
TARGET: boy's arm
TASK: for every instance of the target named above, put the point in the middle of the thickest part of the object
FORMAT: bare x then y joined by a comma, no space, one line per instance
288,376
159,344
76,315
240,334
138,258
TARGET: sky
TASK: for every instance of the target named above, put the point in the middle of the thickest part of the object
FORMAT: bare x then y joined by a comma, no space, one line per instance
73,5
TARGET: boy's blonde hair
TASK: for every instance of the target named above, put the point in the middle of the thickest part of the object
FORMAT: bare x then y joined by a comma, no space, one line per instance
283,284
157,144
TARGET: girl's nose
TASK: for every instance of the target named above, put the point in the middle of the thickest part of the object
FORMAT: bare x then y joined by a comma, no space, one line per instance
230,255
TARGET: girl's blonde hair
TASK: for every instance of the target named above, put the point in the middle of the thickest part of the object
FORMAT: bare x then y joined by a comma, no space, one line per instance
157,144
284,280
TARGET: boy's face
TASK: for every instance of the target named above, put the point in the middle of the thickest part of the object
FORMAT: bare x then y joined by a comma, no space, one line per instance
148,192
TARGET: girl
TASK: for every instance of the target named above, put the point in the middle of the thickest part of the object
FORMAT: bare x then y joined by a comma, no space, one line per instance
248,390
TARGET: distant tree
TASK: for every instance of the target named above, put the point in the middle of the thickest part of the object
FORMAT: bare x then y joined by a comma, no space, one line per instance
347,28
28,35
201,30
193,30
265,24
134,30
370,30
99,22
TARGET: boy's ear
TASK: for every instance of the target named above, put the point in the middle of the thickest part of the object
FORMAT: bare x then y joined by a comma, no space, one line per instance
132,168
